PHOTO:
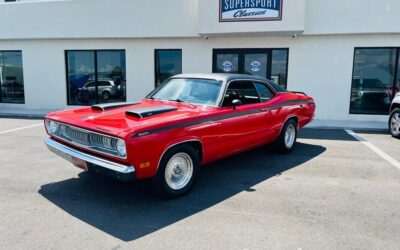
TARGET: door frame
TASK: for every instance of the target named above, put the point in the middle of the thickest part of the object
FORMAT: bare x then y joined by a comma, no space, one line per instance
241,54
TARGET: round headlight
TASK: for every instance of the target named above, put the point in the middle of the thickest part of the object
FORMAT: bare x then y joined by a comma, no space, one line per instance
53,126
121,148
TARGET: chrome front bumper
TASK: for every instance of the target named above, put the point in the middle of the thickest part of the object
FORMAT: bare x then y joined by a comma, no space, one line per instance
96,164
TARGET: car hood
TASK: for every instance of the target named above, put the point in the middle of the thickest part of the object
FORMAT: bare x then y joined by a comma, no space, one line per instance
123,121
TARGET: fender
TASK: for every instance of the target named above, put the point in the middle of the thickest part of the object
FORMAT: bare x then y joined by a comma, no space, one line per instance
178,142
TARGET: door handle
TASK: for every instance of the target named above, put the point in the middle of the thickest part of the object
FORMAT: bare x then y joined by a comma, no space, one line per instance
264,109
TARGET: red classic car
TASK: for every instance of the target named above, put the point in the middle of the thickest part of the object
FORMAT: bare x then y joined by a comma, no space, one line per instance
190,120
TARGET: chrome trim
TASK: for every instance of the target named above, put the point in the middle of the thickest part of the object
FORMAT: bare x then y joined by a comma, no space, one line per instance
67,153
173,145
92,148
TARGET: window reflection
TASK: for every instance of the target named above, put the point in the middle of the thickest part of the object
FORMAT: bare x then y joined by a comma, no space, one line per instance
372,83
86,78
11,77
279,67
111,76
168,63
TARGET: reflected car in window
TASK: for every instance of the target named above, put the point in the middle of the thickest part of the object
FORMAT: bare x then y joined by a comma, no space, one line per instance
105,90
370,94
188,121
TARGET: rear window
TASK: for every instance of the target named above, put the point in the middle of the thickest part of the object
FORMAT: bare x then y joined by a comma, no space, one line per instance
277,87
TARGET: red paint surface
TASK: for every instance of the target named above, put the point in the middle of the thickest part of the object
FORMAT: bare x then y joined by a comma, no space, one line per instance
219,138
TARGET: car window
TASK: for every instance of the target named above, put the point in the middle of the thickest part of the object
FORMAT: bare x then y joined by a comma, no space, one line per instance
92,84
104,83
264,92
196,91
241,90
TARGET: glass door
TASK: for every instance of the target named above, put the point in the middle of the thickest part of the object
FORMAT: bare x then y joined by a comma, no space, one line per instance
267,63
256,64
226,62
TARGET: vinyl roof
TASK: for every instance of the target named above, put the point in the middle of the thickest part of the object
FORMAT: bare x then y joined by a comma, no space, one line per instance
221,77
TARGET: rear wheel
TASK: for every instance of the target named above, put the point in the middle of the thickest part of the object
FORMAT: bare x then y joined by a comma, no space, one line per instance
287,138
177,171
394,123
106,95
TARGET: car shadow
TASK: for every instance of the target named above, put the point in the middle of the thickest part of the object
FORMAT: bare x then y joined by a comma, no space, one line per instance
131,211
325,134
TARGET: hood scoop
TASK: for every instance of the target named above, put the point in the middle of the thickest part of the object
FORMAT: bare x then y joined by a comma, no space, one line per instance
147,112
108,106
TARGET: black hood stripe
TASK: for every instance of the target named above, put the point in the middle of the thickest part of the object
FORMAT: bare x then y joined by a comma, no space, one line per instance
221,117
149,111
107,106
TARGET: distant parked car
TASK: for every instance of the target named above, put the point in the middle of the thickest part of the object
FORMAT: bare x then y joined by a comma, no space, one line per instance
106,90
394,118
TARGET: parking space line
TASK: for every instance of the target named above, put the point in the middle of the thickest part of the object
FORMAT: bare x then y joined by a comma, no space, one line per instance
371,146
21,128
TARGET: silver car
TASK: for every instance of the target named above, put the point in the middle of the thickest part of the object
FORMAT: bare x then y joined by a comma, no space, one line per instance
394,119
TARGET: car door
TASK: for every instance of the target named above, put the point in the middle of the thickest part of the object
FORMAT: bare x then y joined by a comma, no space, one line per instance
267,119
246,125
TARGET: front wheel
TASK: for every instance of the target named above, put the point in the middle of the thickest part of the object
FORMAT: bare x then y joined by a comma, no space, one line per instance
288,136
177,171
394,123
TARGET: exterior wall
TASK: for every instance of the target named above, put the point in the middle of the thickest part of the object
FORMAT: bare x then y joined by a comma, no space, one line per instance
352,17
292,20
98,19
189,18
318,65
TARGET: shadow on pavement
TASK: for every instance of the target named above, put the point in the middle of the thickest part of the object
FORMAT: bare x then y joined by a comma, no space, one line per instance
131,211
372,132
325,134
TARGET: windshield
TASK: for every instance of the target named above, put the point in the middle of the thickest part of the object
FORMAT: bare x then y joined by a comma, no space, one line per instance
196,91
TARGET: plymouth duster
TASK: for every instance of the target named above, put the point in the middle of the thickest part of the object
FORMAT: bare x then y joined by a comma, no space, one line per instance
188,121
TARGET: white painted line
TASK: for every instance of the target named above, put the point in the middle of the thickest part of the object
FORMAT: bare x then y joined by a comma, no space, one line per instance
21,128
375,149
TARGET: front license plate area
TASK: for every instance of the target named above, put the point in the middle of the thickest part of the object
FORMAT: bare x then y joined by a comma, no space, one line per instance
79,163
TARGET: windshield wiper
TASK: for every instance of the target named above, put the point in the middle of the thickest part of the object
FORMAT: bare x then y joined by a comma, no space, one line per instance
176,100
182,101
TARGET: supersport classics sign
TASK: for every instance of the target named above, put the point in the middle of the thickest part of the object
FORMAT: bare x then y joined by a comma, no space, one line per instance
250,10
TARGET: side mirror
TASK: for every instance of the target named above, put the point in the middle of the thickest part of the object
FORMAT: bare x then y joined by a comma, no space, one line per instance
236,103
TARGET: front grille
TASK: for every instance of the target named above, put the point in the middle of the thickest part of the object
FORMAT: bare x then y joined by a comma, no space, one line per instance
85,138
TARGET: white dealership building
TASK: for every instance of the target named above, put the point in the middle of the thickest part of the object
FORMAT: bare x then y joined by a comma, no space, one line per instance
59,54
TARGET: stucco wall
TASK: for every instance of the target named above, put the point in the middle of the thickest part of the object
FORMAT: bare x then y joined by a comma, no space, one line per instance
319,65
189,18
98,19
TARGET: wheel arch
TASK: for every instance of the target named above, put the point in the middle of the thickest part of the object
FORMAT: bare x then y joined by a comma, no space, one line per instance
195,143
394,106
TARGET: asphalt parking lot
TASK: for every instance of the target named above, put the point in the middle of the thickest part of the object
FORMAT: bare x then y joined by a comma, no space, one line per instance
332,192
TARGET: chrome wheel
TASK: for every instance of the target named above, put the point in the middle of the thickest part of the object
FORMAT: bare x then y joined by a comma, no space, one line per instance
395,124
290,136
179,171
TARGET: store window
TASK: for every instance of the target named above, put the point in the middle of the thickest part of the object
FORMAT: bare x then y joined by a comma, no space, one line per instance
96,76
374,80
279,66
268,63
168,62
11,77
